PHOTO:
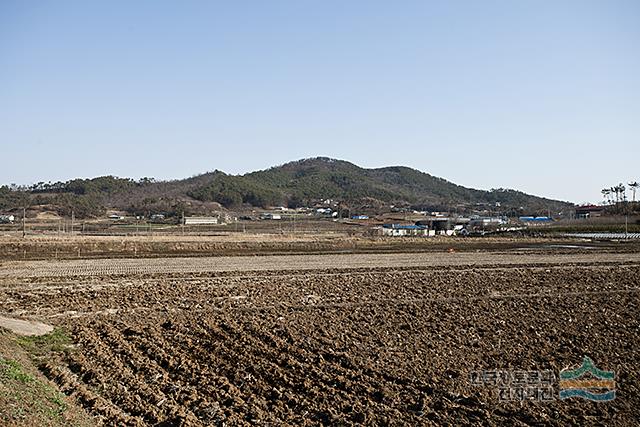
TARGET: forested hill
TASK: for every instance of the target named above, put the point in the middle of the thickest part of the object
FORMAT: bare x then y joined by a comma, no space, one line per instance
299,183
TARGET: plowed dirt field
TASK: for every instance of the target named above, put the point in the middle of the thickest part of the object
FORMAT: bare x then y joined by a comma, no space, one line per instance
336,339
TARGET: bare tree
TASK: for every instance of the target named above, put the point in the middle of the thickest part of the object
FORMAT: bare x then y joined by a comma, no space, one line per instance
634,186
623,192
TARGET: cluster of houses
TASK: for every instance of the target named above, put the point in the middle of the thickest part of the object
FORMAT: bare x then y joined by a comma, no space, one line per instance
430,224
438,224
447,226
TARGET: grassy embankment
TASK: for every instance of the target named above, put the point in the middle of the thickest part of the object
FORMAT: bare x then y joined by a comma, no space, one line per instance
27,398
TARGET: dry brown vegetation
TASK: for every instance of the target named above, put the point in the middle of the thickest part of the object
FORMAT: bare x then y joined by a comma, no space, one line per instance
48,247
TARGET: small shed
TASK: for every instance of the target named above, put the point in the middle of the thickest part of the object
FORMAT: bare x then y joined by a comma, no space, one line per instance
7,219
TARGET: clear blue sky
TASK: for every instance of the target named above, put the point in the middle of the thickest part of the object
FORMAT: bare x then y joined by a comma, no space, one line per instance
542,96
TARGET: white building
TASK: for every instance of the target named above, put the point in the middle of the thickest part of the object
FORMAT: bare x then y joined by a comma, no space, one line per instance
406,230
200,220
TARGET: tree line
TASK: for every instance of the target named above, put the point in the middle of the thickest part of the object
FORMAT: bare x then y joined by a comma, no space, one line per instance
618,193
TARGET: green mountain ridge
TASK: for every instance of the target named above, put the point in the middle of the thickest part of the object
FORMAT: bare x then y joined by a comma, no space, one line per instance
299,183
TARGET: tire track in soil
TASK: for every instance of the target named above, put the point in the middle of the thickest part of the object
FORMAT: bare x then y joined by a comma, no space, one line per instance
150,391
181,367
119,384
229,355
285,363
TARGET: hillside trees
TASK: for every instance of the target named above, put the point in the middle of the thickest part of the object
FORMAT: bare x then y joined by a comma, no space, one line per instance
233,191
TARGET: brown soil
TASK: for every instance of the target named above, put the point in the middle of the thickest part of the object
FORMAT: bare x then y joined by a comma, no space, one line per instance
335,339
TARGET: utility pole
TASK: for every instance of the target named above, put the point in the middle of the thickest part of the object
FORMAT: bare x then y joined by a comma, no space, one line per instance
72,219
24,222
626,226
